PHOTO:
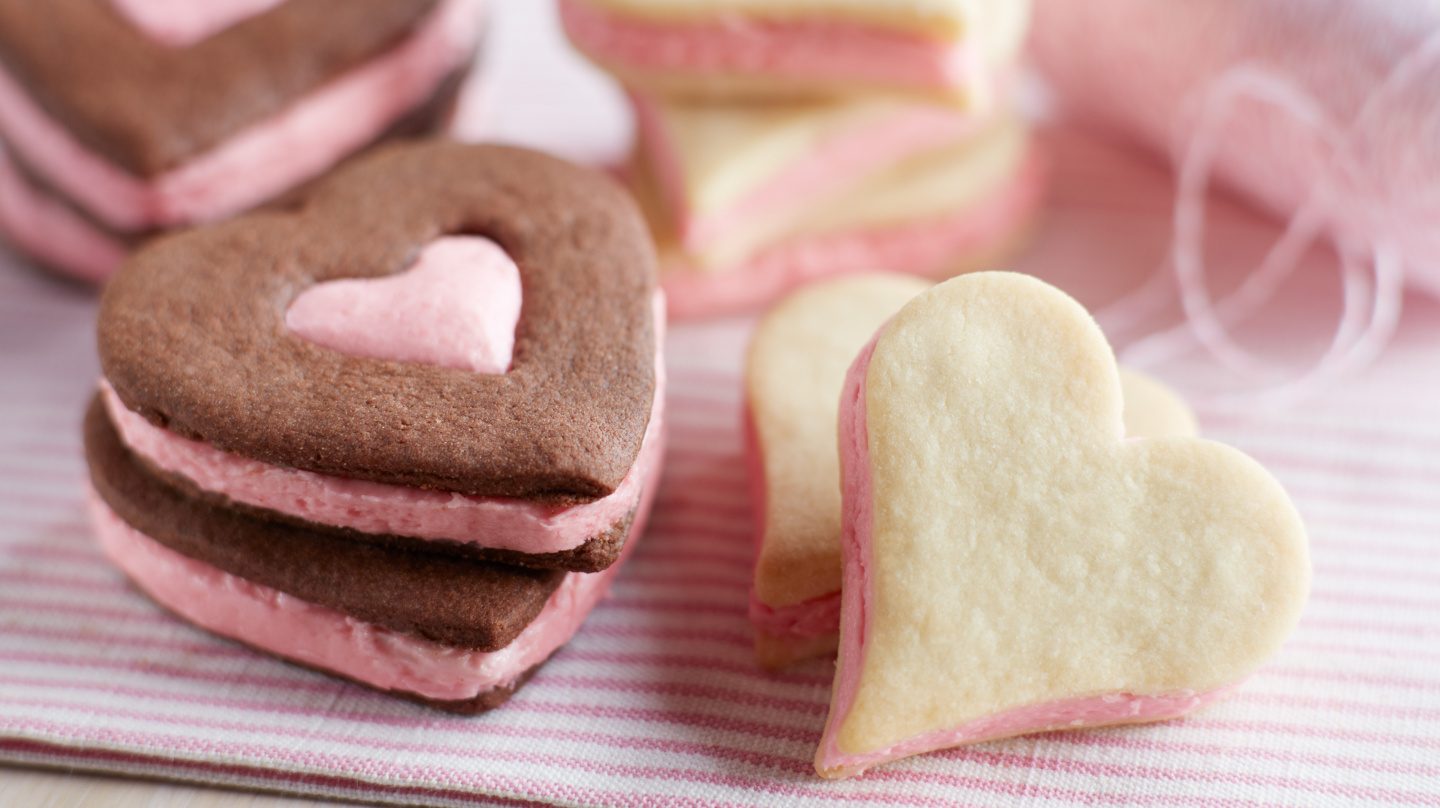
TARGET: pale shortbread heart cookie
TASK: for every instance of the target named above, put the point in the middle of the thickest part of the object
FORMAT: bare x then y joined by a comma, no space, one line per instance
795,370
1012,563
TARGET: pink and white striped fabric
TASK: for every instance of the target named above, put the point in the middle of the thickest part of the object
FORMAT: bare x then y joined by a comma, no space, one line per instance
657,700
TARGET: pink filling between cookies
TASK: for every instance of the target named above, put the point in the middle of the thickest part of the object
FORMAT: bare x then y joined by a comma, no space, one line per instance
179,23
811,51
856,541
455,307
492,522
329,640
43,227
260,162
826,168
924,247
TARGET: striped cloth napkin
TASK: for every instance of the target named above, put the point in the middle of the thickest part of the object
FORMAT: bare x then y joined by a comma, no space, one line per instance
657,702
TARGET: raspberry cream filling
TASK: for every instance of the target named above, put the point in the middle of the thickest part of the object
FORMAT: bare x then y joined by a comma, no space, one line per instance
329,640
812,49
928,245
727,169
179,23
456,307
381,509
263,160
1110,708
45,228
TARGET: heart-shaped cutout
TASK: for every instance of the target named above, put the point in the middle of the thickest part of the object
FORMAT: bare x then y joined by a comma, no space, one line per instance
456,307
179,23
1012,563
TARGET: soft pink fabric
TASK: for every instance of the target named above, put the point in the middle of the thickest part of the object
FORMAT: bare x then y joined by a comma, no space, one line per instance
857,496
923,247
832,164
324,638
814,50
377,508
1344,147
43,227
456,307
184,22
261,161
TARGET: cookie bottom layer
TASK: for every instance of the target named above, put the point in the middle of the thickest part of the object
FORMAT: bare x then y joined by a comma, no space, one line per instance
938,247
447,676
53,234
831,761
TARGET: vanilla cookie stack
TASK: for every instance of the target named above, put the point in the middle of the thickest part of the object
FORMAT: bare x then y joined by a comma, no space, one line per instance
779,142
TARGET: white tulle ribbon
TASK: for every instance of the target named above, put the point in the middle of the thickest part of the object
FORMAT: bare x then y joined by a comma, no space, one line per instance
1347,204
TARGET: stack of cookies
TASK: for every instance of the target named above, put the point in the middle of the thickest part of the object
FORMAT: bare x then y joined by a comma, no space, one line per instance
403,432
779,142
121,119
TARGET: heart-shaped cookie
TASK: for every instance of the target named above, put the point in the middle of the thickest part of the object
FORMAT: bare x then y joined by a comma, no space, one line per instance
1012,563
193,336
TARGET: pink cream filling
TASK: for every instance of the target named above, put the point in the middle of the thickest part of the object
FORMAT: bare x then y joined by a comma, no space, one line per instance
324,638
456,307
179,23
857,538
829,167
261,161
923,247
44,228
377,508
815,50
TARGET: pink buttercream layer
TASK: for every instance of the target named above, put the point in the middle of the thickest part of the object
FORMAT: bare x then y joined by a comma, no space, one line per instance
376,508
810,51
455,307
179,23
324,638
44,228
812,618
857,538
816,617
829,167
924,247
262,161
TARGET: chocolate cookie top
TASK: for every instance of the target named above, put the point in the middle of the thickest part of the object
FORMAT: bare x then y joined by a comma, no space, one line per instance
470,604
149,106
192,332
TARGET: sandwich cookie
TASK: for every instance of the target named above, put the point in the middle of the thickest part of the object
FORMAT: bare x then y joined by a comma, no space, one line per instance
750,203
787,49
794,374
320,429
185,113
350,367
1013,563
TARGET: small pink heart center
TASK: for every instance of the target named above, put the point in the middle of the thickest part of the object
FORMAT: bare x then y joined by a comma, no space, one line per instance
456,307
180,23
